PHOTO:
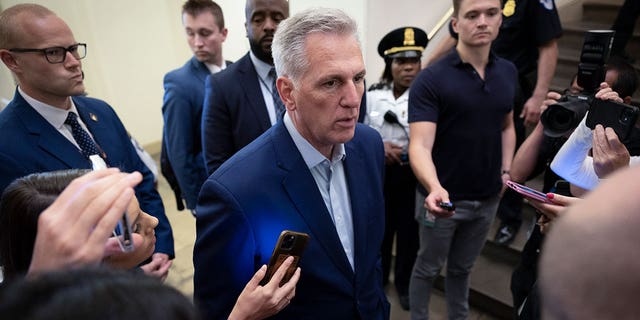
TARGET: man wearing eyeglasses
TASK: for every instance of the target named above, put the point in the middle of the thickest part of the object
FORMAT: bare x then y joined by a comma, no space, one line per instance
50,126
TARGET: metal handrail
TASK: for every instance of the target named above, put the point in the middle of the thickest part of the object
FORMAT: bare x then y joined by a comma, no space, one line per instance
440,23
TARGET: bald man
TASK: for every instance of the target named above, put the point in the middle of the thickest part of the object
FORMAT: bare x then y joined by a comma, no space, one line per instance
590,259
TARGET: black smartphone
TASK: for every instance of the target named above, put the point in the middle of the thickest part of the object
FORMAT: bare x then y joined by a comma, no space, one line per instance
449,206
290,243
610,114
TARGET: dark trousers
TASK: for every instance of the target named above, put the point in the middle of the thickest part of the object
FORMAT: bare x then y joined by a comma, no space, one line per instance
399,196
524,278
624,25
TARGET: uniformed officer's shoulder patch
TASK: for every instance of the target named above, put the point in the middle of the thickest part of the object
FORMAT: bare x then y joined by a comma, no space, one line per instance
547,4
378,86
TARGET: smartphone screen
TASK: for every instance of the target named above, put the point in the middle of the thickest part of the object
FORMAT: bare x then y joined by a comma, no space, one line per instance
290,243
528,192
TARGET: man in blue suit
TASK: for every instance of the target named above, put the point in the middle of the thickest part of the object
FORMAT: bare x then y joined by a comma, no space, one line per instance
241,103
39,49
184,94
318,171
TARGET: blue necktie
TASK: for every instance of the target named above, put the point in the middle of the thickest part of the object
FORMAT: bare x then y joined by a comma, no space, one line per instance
277,102
84,141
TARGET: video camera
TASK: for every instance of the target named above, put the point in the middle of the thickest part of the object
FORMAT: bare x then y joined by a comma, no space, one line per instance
561,118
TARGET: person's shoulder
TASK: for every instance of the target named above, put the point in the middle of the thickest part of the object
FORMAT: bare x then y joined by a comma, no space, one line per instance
185,71
90,102
364,132
249,160
100,108
379,86
232,69
506,64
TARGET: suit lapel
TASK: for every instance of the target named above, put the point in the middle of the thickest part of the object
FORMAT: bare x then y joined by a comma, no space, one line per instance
253,93
354,171
47,137
200,69
303,192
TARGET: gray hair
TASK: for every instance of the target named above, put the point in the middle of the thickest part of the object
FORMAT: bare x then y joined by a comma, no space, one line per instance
288,47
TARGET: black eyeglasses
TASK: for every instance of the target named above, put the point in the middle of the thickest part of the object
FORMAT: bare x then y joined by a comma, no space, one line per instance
58,54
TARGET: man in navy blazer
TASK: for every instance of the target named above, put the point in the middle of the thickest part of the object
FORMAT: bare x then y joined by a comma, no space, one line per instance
239,102
184,94
34,136
318,171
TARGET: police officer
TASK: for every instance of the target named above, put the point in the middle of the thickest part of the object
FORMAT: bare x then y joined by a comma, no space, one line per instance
387,105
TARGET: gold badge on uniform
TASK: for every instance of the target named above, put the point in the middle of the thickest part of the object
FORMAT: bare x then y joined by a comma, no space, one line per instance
509,8
409,39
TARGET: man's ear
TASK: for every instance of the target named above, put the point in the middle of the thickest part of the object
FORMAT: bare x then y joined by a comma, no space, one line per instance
286,89
9,60
454,24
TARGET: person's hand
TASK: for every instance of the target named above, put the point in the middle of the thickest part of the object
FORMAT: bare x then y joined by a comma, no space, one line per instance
606,93
552,98
432,201
551,211
609,154
531,110
158,267
259,302
392,153
74,230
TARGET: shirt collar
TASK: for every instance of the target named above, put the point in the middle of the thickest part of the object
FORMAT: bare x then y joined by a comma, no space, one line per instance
310,155
55,116
214,68
457,61
262,68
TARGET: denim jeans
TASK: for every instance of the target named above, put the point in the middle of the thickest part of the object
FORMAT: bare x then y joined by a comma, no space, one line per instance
457,240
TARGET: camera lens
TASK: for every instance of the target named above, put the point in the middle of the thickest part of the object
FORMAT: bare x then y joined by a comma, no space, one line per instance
288,241
625,117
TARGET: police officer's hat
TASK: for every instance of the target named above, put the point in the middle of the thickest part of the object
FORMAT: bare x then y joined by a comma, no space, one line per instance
405,42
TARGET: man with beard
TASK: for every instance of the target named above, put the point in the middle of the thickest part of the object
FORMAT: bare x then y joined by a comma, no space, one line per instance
241,102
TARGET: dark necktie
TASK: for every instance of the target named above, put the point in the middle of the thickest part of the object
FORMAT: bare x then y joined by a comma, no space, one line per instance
277,102
84,141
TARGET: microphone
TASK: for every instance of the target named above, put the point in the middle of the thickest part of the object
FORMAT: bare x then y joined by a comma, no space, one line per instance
391,118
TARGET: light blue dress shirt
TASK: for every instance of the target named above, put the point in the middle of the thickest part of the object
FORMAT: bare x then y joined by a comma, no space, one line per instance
332,183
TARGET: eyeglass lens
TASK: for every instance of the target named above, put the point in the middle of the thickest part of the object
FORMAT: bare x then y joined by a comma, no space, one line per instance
58,54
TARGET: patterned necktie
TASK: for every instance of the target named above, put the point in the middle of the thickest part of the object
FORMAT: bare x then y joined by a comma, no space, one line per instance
277,102
88,146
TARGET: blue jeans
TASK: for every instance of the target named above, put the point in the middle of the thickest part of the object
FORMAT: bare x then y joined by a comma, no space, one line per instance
457,240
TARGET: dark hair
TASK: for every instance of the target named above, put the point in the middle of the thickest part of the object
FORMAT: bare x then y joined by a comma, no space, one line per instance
196,7
93,293
21,204
627,81
387,76
456,7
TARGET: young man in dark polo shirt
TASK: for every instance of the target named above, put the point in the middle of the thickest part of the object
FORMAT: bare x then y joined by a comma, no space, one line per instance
462,139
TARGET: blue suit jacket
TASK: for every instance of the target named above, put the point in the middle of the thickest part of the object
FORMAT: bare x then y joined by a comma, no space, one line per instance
266,188
182,113
234,112
29,144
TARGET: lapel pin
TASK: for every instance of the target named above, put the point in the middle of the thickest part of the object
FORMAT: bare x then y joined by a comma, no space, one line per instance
93,117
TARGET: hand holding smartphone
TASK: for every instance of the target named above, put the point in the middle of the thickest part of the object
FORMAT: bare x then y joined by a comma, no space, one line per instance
528,192
290,243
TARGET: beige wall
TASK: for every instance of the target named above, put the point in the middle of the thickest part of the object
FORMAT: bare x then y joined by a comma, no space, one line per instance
132,44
